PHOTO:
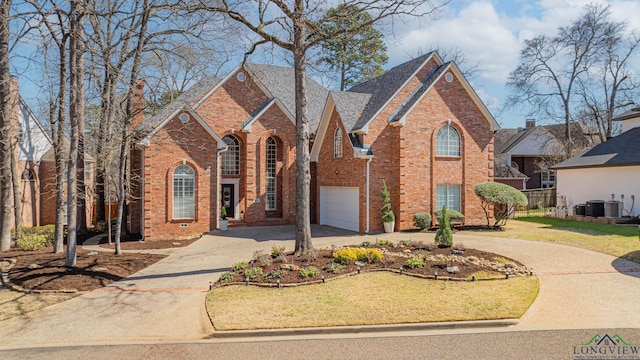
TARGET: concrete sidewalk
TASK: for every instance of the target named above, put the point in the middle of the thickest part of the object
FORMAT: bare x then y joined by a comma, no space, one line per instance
578,289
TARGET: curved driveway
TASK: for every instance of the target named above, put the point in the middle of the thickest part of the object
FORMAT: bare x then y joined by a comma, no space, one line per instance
164,302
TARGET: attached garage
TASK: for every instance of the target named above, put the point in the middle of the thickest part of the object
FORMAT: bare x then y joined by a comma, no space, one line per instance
339,207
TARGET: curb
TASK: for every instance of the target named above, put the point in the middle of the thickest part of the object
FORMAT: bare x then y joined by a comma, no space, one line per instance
364,329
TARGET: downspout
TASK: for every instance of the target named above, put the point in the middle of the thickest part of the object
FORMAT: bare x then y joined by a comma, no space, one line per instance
366,230
218,184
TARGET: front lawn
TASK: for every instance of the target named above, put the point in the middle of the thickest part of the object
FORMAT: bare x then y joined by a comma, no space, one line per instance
616,240
367,299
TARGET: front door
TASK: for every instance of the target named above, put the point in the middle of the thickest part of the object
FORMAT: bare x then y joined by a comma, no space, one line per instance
227,199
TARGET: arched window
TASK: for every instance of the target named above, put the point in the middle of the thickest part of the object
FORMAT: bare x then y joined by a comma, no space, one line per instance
337,143
515,165
231,157
272,151
448,141
184,188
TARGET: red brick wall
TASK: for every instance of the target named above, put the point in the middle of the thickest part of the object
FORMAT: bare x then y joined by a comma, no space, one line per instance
516,183
172,145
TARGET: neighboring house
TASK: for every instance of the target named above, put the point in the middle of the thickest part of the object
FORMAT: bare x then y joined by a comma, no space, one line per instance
509,175
231,142
35,164
532,150
610,168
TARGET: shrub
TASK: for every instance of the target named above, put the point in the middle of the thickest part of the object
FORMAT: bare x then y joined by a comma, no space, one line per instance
274,274
32,242
223,213
345,256
276,251
385,242
226,276
444,235
240,265
387,213
452,214
253,273
503,197
421,220
366,244
48,231
414,263
333,268
374,256
309,271
404,243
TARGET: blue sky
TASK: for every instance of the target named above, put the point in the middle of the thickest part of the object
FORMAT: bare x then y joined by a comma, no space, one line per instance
492,33
488,32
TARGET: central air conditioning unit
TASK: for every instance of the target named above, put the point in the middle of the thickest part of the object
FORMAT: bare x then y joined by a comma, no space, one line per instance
613,209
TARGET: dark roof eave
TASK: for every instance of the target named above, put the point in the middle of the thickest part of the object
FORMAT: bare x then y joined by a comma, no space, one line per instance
594,166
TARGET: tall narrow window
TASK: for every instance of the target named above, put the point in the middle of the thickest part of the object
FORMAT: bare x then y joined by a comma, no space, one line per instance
449,196
272,152
231,157
448,141
184,192
337,143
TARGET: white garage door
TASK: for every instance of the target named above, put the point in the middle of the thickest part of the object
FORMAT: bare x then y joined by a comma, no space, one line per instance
339,207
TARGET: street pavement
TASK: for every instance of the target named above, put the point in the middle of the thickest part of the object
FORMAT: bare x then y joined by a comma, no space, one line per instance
164,303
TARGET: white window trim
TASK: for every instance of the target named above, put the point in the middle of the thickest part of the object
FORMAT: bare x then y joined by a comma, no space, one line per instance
173,193
274,177
236,165
447,146
337,143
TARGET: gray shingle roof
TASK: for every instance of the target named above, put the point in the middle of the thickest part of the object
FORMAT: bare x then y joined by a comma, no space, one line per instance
503,171
189,97
503,138
582,135
383,87
633,113
621,150
350,107
280,83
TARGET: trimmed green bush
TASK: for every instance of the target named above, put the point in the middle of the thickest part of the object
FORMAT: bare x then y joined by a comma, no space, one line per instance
384,242
32,242
345,256
387,213
309,271
414,263
502,197
253,273
444,235
240,265
226,276
421,220
48,231
452,214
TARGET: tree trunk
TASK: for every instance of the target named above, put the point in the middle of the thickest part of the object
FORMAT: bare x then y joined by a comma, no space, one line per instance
303,173
17,198
5,128
81,189
57,132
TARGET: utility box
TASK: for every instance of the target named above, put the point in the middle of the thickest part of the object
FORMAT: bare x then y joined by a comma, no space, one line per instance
595,208
580,209
613,209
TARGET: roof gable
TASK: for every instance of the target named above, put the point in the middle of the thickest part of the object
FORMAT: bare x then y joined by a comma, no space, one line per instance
34,141
436,75
385,87
246,125
185,108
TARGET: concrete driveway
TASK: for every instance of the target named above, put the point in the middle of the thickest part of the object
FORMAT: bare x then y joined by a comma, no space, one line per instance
578,289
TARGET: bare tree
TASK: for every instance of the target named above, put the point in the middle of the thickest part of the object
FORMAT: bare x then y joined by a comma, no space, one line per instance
296,26
5,127
469,69
551,66
612,87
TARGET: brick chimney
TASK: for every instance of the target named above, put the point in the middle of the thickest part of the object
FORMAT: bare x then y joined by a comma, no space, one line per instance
530,124
138,105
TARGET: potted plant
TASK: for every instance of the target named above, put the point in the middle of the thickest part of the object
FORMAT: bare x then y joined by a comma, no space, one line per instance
224,223
388,218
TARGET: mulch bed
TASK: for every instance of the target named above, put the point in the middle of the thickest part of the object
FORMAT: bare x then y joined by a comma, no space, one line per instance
134,244
437,261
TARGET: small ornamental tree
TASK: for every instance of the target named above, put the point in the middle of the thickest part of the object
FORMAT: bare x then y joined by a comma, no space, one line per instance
223,213
502,197
387,213
444,235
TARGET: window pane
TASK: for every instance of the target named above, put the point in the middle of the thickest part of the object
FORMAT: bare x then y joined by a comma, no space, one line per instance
448,141
231,157
448,195
183,192
337,144
271,174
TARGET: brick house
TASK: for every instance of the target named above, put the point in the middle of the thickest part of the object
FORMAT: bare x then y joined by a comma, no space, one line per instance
231,142
533,149
421,128
33,152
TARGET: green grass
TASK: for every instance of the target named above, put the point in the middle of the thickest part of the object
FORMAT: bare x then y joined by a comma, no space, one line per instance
616,240
368,299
